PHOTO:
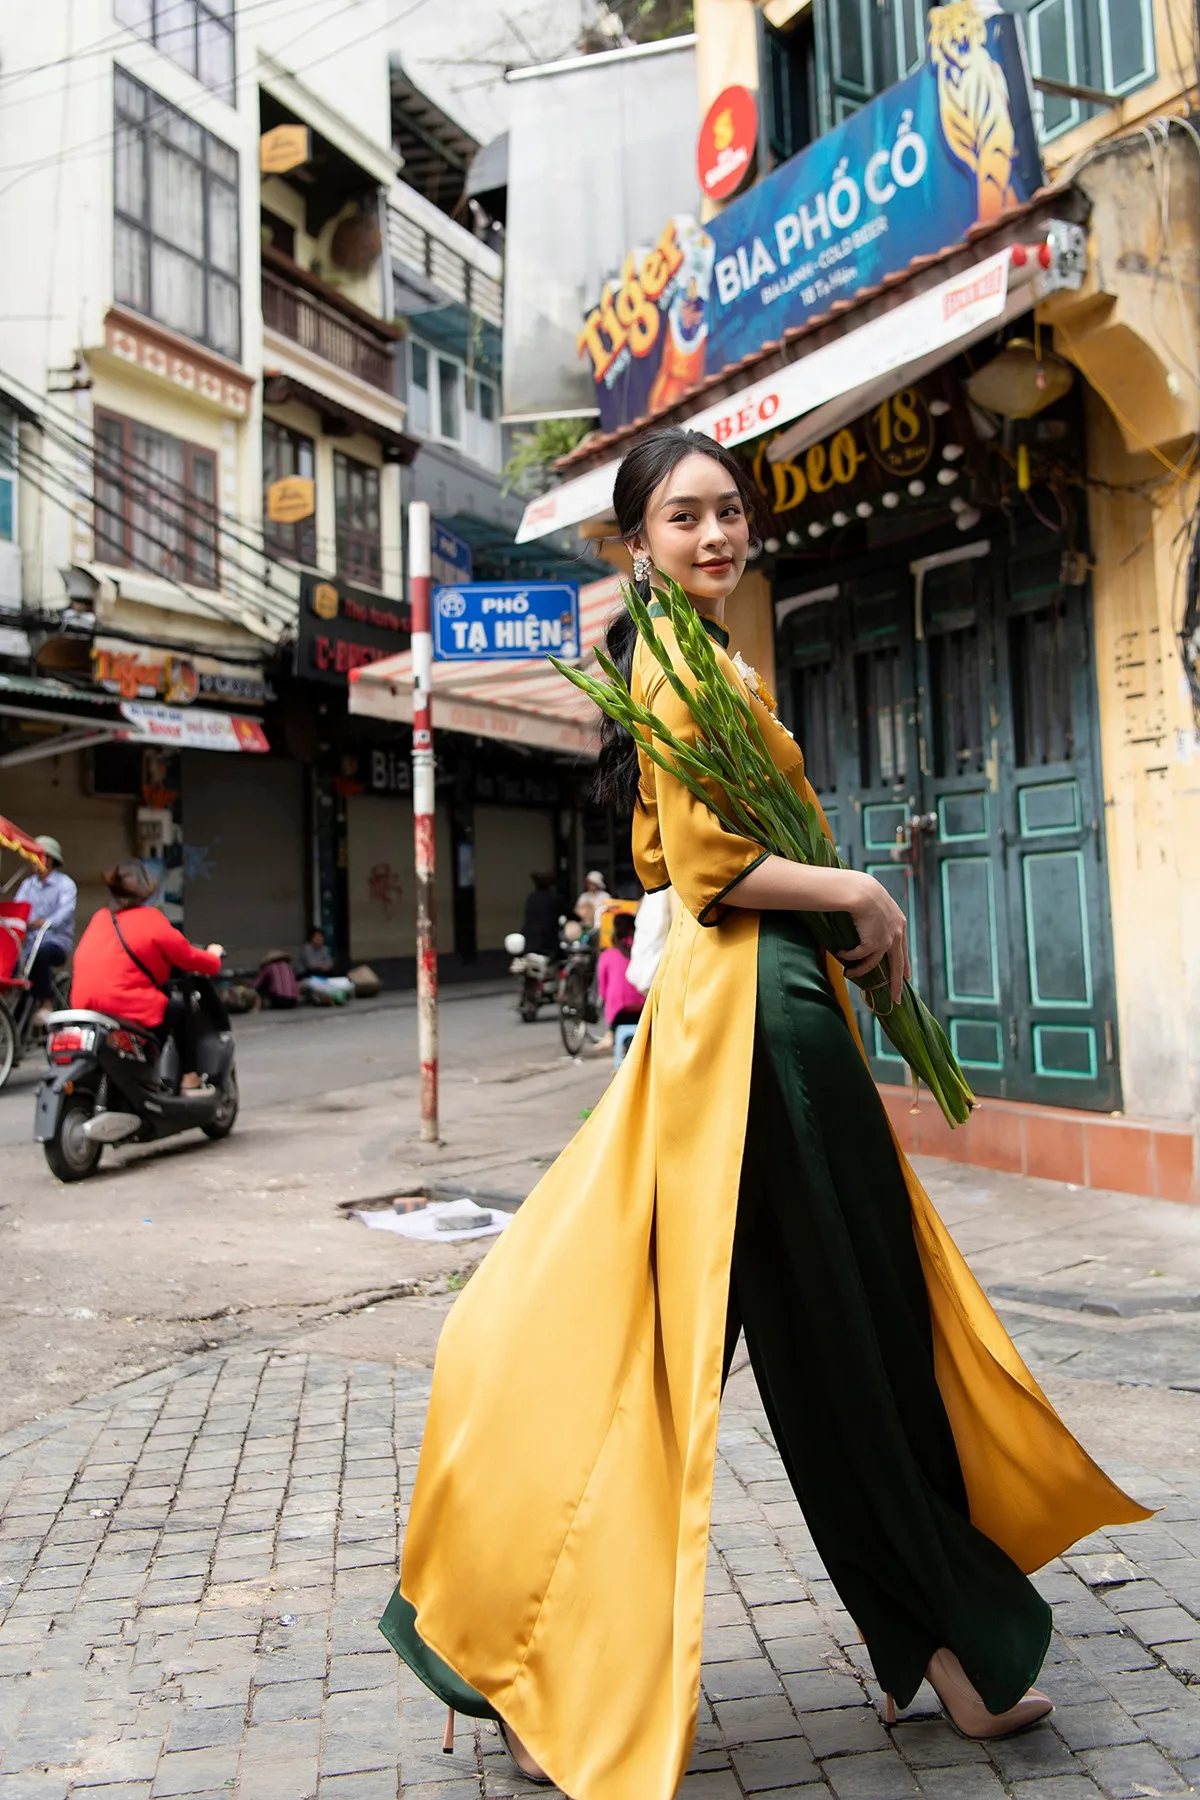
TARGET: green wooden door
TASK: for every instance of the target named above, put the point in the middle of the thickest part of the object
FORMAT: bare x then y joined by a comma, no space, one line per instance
946,717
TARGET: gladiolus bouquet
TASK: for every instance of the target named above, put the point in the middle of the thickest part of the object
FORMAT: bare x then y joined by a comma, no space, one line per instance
730,769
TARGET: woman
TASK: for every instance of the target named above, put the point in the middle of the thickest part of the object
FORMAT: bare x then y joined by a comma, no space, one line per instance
126,956
740,1172
621,1001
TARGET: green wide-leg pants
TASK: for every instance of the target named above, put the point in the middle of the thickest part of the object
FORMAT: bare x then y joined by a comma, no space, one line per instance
827,1285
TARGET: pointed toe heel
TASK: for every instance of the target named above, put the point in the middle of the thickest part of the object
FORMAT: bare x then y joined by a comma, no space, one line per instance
522,1761
964,1706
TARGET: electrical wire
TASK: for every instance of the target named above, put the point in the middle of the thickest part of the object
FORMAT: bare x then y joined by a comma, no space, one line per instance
254,599
249,77
116,40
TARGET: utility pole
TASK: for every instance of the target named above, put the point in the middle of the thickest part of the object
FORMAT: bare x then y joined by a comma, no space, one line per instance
420,585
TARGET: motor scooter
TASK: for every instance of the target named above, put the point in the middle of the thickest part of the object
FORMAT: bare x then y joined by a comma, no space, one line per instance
112,1083
540,975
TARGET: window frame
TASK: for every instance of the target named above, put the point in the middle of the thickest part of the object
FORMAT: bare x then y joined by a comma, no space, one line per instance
151,128
114,538
296,542
9,454
357,547
161,13
1089,55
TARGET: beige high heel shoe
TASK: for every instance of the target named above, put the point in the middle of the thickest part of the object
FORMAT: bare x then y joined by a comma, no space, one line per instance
523,1762
964,1707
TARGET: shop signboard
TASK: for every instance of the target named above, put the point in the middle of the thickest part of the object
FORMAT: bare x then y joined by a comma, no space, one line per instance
914,446
725,149
195,729
907,175
450,556
149,672
505,621
342,628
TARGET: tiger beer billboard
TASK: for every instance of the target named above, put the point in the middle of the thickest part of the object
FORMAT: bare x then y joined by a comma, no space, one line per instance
907,175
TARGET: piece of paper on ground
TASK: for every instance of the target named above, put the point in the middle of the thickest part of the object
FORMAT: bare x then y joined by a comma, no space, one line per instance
463,1219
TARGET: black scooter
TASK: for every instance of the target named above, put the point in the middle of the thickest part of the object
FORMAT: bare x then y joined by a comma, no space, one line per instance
112,1084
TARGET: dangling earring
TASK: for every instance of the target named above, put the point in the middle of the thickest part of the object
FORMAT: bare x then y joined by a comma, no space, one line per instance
641,569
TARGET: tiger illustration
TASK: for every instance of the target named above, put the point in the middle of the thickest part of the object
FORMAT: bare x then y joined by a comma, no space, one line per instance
973,101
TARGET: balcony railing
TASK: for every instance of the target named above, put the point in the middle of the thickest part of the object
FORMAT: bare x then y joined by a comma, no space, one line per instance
329,328
416,248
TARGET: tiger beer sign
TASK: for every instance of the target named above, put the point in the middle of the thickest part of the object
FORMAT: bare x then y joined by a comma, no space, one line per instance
905,176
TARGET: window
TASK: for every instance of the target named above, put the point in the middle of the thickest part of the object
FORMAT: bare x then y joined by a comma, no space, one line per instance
862,46
356,509
278,233
156,501
287,452
8,475
176,204
487,402
196,34
449,398
1102,44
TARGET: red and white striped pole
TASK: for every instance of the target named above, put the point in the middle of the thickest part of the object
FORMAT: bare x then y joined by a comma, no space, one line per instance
420,587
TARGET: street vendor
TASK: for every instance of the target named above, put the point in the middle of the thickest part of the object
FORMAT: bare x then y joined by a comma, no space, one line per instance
51,900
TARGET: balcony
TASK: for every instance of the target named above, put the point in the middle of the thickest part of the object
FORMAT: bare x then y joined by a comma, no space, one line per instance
440,260
315,316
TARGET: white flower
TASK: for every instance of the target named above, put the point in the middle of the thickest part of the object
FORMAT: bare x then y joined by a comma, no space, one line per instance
748,674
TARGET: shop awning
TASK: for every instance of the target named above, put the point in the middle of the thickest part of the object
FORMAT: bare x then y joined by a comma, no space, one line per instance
894,333
511,702
87,719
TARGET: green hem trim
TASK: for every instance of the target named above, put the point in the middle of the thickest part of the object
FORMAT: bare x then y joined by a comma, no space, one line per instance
704,917
660,889
717,632
399,1627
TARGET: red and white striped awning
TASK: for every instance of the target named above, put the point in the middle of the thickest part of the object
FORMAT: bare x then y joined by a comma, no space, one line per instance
512,702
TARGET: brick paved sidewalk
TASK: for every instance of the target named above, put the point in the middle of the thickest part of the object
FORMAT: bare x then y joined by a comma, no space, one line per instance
191,1568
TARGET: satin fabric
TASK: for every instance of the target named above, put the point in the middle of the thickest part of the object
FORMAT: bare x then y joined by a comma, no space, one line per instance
556,1545
828,1286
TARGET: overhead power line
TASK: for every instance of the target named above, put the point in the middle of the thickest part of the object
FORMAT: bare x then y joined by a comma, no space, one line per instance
249,77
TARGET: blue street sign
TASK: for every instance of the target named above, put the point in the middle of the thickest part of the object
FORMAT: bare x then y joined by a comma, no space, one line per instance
450,555
511,621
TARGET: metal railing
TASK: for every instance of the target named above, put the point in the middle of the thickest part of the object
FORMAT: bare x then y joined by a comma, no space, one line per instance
319,326
415,248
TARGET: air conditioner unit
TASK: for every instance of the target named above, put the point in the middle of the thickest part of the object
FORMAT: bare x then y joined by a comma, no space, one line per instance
10,575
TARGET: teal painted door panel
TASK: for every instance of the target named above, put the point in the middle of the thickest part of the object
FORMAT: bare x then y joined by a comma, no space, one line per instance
953,747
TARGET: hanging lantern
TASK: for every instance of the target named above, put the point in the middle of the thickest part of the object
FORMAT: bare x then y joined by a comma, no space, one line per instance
1021,381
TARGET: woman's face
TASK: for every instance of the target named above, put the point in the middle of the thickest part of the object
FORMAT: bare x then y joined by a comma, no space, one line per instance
696,530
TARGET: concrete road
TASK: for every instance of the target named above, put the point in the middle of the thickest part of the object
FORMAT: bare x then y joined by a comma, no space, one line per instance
187,1244
289,1056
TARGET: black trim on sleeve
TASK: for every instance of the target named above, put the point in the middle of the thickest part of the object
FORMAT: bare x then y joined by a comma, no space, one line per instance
660,889
704,917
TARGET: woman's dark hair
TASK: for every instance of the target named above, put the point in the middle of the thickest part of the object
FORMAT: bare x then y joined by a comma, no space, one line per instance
130,884
624,927
642,470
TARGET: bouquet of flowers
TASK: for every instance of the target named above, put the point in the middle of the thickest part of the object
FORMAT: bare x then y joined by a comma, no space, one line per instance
730,769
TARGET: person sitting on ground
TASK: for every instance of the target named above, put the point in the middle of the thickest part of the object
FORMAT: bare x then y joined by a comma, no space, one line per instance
125,958
276,980
316,958
593,900
621,1001
51,900
318,982
543,909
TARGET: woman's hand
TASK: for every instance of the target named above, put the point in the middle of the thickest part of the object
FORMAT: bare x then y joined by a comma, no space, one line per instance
882,931
216,949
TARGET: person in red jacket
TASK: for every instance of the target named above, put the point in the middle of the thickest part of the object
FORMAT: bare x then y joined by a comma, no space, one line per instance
125,957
